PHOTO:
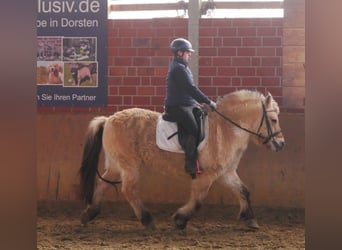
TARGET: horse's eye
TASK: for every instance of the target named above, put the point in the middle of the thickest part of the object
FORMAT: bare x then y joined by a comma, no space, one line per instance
274,121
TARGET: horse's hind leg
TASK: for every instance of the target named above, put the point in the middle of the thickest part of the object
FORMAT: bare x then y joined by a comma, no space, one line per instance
232,180
129,190
93,209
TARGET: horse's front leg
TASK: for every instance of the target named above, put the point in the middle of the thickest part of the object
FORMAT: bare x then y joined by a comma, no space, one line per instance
233,181
199,190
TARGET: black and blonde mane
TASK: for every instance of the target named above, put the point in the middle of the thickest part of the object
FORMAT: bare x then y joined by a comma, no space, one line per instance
242,98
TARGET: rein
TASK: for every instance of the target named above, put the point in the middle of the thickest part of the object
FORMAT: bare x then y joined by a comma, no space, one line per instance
271,135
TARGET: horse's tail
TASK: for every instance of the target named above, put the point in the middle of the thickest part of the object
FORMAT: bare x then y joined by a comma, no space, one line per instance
90,159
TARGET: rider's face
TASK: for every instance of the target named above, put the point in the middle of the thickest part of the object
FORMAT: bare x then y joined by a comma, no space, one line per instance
184,55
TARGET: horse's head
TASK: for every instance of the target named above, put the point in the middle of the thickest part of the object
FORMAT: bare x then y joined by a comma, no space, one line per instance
269,128
267,131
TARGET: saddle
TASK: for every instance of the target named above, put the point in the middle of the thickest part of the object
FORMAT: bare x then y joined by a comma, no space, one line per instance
171,136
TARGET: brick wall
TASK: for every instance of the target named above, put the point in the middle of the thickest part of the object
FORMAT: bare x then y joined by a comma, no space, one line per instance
233,54
240,53
138,59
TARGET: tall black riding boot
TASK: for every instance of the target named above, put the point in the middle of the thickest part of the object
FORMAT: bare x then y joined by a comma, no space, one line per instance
191,156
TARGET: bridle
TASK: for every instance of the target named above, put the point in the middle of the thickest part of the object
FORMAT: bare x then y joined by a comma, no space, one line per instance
264,118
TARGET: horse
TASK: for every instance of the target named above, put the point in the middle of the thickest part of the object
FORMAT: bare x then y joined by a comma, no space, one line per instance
128,139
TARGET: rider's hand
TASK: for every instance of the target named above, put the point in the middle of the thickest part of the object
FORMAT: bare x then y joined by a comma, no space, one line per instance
213,105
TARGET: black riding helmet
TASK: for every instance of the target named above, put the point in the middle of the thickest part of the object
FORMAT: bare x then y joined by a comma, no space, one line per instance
180,44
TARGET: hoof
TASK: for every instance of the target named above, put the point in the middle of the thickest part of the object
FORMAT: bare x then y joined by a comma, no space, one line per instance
147,220
181,221
252,224
89,214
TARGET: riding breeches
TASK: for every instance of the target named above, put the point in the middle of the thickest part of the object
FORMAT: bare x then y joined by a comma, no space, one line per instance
184,116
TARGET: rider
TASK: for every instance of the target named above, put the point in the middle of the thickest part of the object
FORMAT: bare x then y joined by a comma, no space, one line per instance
182,95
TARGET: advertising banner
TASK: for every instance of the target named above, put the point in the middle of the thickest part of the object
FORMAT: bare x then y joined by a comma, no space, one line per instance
72,53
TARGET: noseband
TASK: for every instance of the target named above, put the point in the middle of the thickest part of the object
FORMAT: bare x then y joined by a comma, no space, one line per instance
270,133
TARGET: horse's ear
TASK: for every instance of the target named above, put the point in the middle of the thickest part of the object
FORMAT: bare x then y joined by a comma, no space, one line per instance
269,98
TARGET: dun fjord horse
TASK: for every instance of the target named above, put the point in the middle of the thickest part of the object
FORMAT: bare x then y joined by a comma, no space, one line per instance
128,139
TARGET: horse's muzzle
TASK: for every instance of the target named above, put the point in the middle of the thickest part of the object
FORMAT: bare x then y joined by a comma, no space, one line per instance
278,144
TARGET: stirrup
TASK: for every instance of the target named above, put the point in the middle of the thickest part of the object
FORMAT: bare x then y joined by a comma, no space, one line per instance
199,169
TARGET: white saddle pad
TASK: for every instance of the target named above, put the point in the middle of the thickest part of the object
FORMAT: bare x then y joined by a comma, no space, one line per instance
165,129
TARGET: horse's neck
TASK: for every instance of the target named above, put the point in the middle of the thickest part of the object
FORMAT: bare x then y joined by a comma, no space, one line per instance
247,114
229,140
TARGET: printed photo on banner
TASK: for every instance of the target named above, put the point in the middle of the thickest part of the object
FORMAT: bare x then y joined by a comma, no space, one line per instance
80,74
50,72
49,48
79,49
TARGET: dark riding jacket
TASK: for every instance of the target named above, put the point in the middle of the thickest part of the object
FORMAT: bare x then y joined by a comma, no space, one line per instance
180,87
